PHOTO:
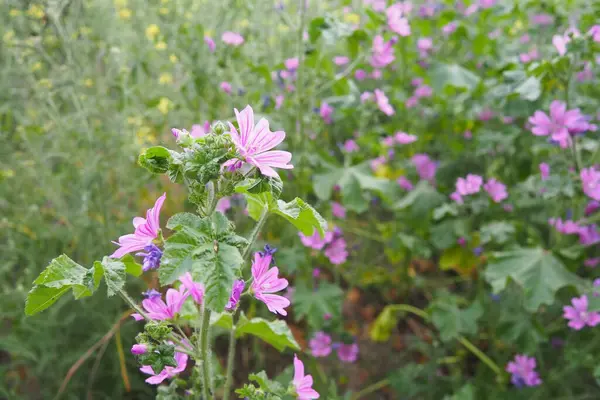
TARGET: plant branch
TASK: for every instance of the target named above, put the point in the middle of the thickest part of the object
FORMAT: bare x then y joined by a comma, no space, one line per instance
257,228
206,378
230,363
371,388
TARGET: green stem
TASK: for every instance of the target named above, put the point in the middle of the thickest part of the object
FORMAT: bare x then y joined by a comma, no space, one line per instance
480,354
230,364
259,224
132,303
300,73
371,388
206,378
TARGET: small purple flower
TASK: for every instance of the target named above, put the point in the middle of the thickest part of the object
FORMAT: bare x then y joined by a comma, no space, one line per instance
478,251
523,371
592,207
320,345
151,256
268,251
151,294
592,262
316,272
338,210
138,349
336,251
347,353
236,292
578,314
544,171
210,43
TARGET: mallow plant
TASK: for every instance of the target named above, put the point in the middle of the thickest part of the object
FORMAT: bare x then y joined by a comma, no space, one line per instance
205,268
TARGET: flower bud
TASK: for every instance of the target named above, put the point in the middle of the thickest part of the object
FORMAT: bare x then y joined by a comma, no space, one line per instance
219,128
139,349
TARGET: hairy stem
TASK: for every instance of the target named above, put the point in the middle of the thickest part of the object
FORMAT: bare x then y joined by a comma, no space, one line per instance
132,303
204,354
259,224
371,388
230,364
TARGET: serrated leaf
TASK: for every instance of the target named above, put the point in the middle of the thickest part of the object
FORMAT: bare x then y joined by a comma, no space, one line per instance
276,333
536,270
155,159
302,216
452,321
314,304
114,274
217,267
421,200
41,297
443,75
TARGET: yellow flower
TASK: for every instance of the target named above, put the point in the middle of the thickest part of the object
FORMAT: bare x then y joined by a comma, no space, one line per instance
283,28
125,14
35,11
8,37
14,12
352,18
163,10
152,31
36,67
161,45
88,83
164,105
165,78
517,26
45,83
243,23
173,58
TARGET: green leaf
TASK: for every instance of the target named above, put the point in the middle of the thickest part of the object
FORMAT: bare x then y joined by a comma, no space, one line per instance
530,89
42,297
222,320
452,321
444,75
314,304
131,266
421,200
113,272
276,333
498,232
384,324
536,270
155,159
302,216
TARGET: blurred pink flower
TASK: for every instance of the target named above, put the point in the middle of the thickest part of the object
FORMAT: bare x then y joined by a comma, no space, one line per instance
449,28
315,241
266,282
542,19
383,103
341,60
254,144
146,230
226,87
232,38
338,210
383,52
195,289
360,74
291,63
523,371
326,111
486,114
558,123
594,32
544,171
396,19
168,372
377,162
487,3
457,197
223,204
469,185
279,101
404,183
578,314
411,102
472,9
303,383
404,138
586,74
424,45
590,179
365,96
560,41
350,146
376,74
320,345
423,91
210,43
496,190
336,251
425,166
592,262
347,353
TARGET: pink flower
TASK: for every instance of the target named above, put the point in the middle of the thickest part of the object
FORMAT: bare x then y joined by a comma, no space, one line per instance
168,372
338,210
350,146
320,345
303,383
496,190
341,60
200,130
236,292
254,144
468,134
377,162
139,349
472,9
592,262
376,74
404,183
326,111
424,45
426,167
590,178
411,102
560,122
470,185
450,27
416,82
388,141
347,352
360,74
232,38
383,52
487,3
542,19
266,282
336,251
156,308
291,63
544,171
146,230
404,138
586,74
567,227
315,241
486,115
457,197
383,103
279,101
578,314
523,371
195,289
226,87
594,32
396,19
423,91
365,96
223,204
560,41
210,43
